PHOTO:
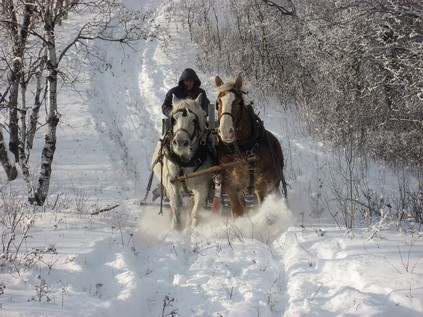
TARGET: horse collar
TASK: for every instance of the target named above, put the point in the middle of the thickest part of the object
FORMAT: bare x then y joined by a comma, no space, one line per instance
249,146
196,161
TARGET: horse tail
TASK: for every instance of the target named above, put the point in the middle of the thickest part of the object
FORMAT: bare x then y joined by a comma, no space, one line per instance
278,161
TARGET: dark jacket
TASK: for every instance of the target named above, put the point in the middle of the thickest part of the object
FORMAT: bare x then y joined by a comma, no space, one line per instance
181,93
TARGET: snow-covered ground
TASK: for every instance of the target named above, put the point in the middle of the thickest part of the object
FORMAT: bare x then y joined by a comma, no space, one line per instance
276,261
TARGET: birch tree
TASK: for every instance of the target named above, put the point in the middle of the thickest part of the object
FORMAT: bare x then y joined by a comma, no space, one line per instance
51,11
18,32
41,20
9,167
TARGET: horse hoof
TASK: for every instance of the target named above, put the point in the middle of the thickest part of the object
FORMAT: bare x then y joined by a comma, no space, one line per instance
237,214
177,226
194,223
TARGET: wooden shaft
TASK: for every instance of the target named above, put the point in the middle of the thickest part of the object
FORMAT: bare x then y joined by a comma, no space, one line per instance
215,169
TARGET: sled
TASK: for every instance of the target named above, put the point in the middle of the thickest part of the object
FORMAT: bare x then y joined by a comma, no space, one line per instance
219,199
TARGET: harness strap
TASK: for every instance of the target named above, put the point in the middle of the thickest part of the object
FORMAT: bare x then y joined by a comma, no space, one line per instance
150,179
184,184
251,167
147,191
196,161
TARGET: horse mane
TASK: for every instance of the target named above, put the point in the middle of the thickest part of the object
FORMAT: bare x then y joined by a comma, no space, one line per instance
191,105
231,85
226,87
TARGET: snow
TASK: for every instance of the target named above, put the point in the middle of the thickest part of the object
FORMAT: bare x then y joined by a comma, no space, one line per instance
276,261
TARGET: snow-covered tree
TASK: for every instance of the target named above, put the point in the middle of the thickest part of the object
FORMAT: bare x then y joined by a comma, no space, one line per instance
354,69
36,54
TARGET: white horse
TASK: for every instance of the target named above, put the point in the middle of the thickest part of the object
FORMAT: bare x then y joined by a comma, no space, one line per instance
183,150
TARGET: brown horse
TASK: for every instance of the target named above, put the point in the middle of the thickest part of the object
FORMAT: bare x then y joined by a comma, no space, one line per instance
241,135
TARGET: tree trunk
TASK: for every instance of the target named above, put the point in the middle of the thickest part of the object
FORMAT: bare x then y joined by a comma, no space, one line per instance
19,34
13,107
23,154
9,167
33,119
52,115
14,77
33,122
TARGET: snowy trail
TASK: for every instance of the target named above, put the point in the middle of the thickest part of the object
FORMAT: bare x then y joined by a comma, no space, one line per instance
241,267
122,119
220,267
326,274
151,78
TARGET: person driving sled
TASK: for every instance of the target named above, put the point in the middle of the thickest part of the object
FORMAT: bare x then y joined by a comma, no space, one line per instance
188,87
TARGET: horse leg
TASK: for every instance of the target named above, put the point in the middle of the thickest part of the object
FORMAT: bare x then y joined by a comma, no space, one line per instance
176,204
192,219
260,190
200,196
237,202
190,208
260,197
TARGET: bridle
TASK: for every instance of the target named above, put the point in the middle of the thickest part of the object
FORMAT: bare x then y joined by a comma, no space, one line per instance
195,131
238,94
200,154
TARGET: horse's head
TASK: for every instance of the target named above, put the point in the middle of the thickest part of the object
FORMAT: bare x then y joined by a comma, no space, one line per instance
230,107
188,126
